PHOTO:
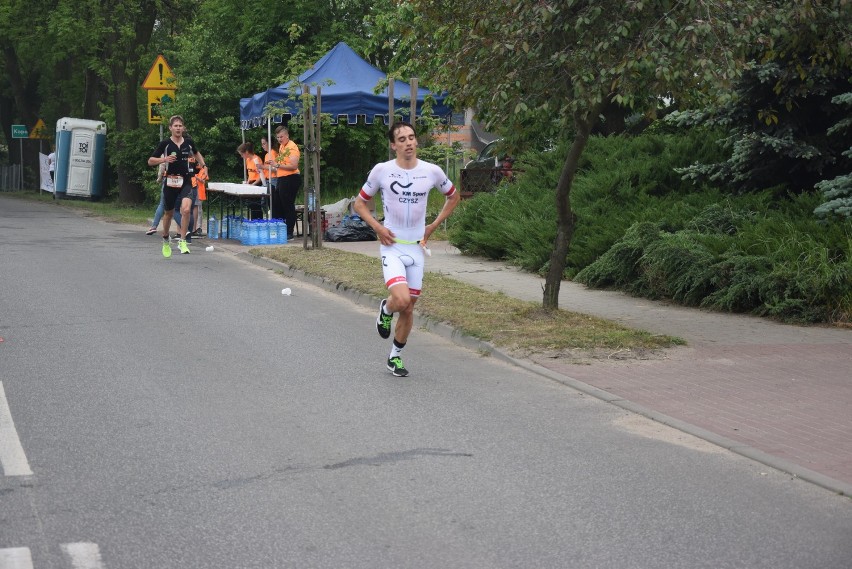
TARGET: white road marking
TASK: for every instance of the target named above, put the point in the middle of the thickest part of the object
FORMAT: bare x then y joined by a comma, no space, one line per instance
84,555
16,558
12,455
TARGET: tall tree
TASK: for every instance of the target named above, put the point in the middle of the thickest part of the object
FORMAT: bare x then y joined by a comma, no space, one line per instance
533,62
130,26
780,120
21,40
227,53
76,87
105,44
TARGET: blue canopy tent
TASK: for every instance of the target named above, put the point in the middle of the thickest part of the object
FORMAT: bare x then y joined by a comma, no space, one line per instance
347,90
347,83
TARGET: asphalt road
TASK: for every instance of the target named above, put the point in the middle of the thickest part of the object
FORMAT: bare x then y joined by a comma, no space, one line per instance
183,413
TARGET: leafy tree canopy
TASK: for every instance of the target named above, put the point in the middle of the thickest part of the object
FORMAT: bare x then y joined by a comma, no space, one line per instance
555,66
781,116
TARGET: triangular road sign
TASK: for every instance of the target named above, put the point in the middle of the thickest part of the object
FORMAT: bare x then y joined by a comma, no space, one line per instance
38,130
160,76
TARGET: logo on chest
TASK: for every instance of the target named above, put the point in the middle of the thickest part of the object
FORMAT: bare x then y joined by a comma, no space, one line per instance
396,184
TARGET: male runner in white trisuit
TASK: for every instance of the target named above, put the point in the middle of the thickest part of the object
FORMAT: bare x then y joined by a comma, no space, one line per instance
405,184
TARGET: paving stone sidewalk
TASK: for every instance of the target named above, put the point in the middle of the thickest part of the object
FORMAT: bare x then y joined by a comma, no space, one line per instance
778,393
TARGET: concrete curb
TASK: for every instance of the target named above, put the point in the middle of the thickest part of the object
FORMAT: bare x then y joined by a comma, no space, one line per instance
485,348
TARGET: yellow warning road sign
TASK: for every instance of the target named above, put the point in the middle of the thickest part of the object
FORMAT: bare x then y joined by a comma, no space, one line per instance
160,76
157,98
39,130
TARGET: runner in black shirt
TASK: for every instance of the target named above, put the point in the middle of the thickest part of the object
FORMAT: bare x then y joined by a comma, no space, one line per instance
182,158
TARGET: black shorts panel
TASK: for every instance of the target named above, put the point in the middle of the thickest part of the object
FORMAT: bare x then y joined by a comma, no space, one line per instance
172,196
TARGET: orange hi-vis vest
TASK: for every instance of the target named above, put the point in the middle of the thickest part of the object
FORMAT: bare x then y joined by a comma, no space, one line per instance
200,182
285,153
271,156
251,168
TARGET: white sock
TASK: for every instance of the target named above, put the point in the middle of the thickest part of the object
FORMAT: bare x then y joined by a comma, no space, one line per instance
396,350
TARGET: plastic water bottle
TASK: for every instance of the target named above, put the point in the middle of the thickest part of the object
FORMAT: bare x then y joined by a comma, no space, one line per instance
282,231
213,227
237,227
264,231
273,231
255,232
227,230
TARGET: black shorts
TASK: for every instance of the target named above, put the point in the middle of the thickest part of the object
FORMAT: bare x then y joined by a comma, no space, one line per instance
172,196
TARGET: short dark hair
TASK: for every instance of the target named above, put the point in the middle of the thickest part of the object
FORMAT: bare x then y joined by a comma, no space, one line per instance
245,147
174,118
282,128
395,128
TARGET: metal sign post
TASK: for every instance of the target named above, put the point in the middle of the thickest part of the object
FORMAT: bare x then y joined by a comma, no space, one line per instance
21,132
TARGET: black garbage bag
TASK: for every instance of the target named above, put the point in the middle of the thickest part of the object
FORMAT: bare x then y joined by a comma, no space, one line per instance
350,230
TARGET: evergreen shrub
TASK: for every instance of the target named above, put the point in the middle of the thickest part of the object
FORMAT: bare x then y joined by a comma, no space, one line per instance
642,229
621,180
777,262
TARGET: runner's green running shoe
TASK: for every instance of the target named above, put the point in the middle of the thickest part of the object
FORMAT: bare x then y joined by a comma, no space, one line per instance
184,248
383,321
167,249
397,367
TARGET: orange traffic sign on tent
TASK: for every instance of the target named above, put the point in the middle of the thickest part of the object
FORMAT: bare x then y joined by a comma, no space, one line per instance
160,76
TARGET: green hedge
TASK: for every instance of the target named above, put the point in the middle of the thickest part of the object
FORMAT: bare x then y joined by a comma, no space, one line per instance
641,229
621,180
740,257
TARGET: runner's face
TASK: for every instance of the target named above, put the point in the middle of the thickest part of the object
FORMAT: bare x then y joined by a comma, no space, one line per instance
405,143
176,128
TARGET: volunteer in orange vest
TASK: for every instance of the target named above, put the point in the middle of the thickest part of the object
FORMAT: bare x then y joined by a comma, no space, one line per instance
289,179
270,158
200,182
253,163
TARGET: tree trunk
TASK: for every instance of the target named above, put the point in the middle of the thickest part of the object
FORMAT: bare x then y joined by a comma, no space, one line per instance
26,106
93,94
565,218
130,190
126,77
20,90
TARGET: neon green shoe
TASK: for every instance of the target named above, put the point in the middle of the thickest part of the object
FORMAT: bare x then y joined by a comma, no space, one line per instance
184,248
383,321
167,249
396,366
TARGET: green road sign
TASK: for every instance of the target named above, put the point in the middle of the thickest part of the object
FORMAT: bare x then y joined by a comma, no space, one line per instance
20,131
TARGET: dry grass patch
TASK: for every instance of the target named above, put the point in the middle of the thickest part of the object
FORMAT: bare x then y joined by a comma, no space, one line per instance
518,326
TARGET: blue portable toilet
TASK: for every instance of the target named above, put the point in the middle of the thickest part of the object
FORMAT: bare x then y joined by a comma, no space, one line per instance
80,156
